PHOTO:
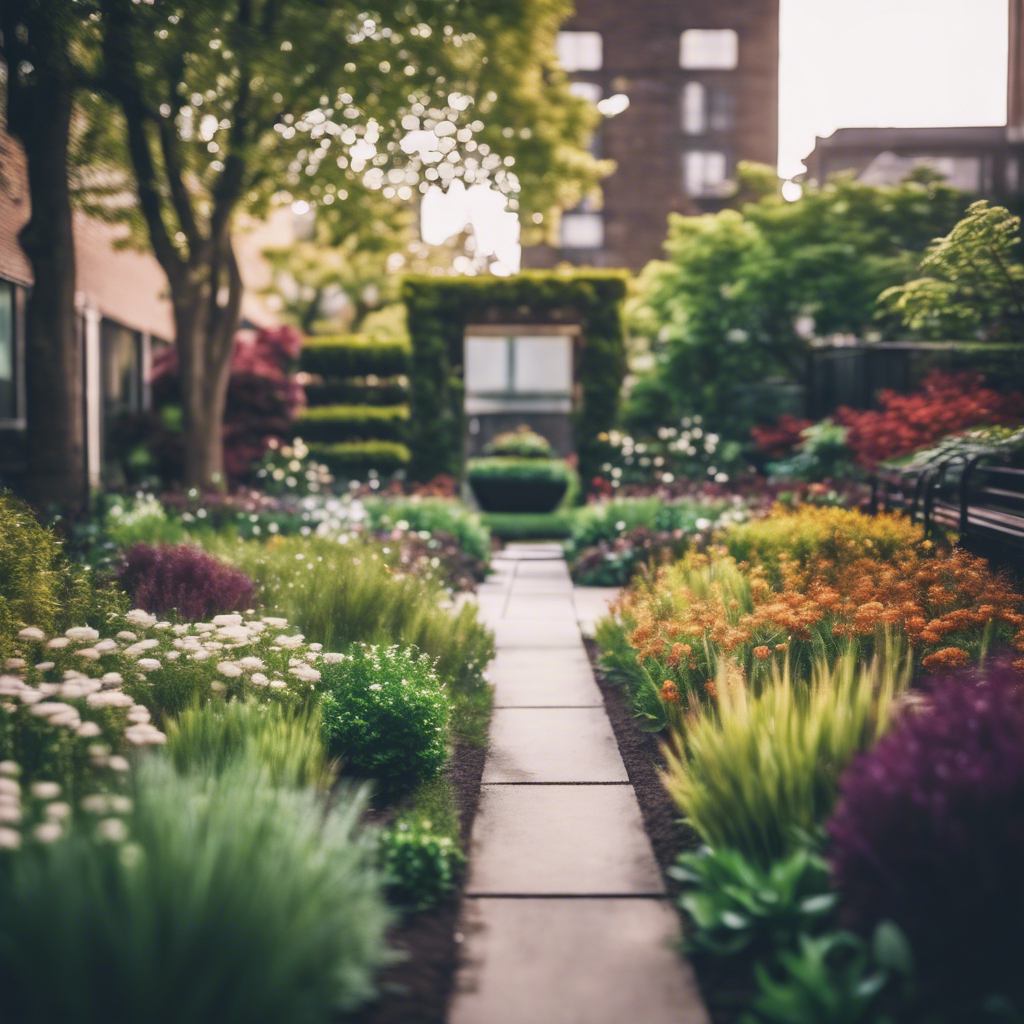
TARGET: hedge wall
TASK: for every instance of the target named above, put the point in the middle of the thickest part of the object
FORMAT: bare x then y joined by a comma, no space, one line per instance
350,457
353,355
348,422
440,307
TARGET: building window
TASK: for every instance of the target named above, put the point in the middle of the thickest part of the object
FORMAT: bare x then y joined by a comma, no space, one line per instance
579,51
582,230
8,384
721,110
589,91
695,119
529,366
703,49
705,173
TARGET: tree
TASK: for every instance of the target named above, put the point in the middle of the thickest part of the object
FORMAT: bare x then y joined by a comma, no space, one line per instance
225,104
972,283
43,47
742,291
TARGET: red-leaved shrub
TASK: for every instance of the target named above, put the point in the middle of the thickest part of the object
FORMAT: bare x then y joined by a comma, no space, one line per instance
946,403
780,438
264,396
929,833
180,578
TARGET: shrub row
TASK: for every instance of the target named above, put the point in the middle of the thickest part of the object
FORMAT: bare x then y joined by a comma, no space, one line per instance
336,423
352,458
354,355
356,391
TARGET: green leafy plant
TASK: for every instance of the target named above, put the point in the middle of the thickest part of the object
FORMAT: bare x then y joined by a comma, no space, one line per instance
343,422
213,898
357,458
385,715
422,865
837,978
754,770
353,355
822,453
511,484
522,443
432,515
734,904
287,744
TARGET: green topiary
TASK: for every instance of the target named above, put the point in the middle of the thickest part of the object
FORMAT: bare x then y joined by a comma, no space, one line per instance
345,422
356,458
353,355
386,716
509,484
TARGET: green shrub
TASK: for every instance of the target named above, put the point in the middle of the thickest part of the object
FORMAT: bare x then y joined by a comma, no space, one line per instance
288,745
345,422
214,899
141,520
509,484
386,716
524,470
370,390
735,905
432,515
754,771
521,443
353,355
422,865
355,458
337,594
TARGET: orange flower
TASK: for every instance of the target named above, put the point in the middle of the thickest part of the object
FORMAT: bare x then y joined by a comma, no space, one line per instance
762,652
712,690
669,692
948,657
678,652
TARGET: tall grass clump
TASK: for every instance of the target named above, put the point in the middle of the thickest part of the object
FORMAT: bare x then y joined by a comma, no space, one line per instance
286,743
216,898
339,594
754,770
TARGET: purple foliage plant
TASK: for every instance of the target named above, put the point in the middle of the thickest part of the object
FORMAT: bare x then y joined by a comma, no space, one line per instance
183,579
929,833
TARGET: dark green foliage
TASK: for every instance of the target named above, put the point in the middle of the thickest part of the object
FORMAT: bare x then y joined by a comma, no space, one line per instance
734,904
357,391
350,422
230,900
530,525
354,458
353,355
386,716
439,309
509,484
422,864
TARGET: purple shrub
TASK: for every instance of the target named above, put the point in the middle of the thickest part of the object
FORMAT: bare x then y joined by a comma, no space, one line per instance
183,579
929,833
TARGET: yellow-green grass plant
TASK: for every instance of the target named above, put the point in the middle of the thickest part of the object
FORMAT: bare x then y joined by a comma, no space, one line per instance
754,771
286,742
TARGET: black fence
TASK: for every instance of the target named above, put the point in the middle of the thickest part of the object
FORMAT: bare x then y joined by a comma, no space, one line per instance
977,495
853,374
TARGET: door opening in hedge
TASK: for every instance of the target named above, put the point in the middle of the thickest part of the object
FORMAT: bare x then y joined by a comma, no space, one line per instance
519,375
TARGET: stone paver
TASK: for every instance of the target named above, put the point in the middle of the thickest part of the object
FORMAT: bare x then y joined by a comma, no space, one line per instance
559,819
529,678
537,962
561,840
553,745
535,633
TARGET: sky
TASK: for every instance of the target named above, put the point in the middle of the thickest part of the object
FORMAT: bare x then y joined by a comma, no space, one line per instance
887,63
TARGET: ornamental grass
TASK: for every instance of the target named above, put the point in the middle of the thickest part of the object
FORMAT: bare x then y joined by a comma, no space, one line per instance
758,772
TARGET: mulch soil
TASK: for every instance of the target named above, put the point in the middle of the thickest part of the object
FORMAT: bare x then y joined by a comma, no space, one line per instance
416,990
723,985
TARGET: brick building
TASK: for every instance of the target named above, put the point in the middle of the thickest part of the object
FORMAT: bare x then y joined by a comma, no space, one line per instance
701,77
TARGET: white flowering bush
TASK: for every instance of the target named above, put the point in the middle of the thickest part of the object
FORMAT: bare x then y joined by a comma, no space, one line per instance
385,715
208,898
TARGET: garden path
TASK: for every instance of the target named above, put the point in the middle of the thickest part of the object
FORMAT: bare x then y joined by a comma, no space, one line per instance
564,919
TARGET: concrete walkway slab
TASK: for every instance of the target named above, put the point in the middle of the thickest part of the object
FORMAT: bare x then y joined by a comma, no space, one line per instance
548,568
537,962
549,607
529,585
536,633
561,840
543,678
553,745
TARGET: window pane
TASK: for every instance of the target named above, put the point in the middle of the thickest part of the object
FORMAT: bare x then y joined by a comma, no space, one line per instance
694,99
8,406
590,91
582,231
701,48
705,173
543,365
486,365
579,51
721,110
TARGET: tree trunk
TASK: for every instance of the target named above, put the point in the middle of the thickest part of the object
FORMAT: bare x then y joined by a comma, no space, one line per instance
54,369
206,318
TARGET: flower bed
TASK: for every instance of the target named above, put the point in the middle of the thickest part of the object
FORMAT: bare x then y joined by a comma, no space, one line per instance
788,689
